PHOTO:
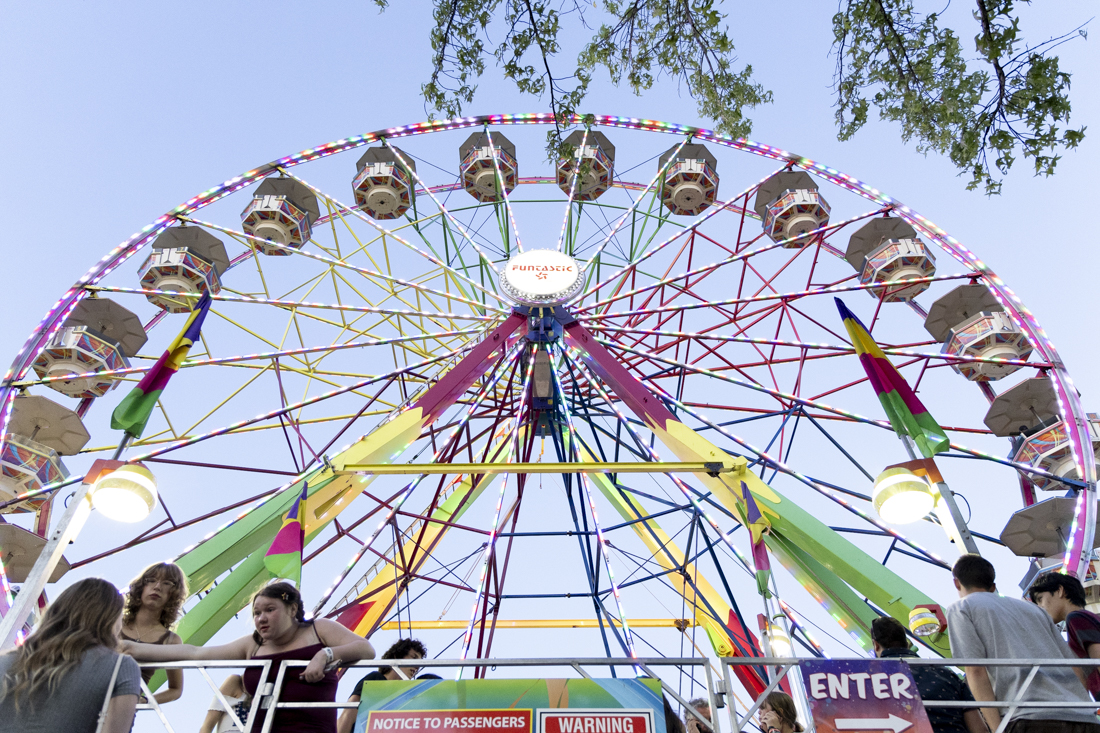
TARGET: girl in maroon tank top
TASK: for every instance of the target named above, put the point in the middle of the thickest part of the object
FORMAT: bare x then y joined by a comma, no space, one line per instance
295,689
281,633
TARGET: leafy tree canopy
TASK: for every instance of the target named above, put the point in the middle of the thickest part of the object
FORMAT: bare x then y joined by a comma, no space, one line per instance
982,109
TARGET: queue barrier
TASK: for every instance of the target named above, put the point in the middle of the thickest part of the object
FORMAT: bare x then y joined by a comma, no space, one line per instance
268,699
718,691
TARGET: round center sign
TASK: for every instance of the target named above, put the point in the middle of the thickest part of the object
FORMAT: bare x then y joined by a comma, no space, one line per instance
541,277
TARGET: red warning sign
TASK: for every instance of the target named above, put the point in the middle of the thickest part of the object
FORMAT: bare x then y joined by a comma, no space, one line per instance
449,721
595,721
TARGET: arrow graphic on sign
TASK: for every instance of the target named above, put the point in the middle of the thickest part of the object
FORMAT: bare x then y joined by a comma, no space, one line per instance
893,723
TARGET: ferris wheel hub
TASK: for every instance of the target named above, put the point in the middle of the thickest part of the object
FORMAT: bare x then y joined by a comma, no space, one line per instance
541,277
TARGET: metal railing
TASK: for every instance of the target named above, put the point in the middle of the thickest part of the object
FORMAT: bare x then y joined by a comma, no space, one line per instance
151,702
717,691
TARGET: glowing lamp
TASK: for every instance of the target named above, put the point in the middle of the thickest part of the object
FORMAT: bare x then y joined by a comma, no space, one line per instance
780,642
927,620
126,494
901,496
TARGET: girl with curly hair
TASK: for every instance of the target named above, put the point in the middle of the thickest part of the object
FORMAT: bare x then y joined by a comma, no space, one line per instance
153,604
61,676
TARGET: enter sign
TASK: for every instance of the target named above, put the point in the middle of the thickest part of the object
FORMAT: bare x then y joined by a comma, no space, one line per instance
863,695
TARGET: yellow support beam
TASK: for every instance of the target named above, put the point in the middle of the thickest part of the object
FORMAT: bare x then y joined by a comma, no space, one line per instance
543,623
594,467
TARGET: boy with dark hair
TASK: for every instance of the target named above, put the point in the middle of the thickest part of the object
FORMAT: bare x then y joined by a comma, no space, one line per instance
1063,597
986,625
401,649
933,683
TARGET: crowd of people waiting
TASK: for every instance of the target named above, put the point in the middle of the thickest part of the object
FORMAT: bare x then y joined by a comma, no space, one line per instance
78,671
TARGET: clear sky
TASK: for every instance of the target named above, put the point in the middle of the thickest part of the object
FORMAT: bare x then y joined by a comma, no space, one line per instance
116,114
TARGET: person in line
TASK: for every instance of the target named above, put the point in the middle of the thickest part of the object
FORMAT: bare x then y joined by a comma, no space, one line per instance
673,724
778,714
1063,597
217,720
401,649
282,633
934,683
983,624
68,669
153,604
700,705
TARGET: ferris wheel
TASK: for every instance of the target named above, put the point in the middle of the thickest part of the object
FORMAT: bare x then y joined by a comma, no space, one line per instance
546,401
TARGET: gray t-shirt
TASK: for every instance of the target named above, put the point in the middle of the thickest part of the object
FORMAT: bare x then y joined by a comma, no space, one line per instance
74,707
991,626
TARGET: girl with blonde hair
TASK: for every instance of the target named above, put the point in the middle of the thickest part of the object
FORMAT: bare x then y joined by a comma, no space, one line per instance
153,604
67,670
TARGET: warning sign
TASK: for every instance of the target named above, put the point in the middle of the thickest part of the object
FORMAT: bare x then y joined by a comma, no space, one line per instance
595,721
863,695
449,721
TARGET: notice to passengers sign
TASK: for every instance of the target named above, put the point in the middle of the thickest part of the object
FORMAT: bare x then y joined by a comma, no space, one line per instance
863,695
449,721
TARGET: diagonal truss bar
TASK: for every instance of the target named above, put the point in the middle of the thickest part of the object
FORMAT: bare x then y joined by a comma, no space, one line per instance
364,607
332,262
390,233
841,349
572,190
262,356
408,490
785,297
244,541
883,587
490,545
503,191
444,210
296,304
733,258
574,448
653,186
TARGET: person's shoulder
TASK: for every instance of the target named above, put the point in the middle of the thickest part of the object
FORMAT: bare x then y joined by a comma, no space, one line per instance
173,638
1083,615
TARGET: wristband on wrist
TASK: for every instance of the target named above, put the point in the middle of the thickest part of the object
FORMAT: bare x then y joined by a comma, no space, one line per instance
328,655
